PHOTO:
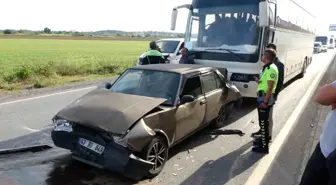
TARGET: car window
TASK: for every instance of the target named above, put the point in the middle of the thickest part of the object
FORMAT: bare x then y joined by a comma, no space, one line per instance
150,83
128,80
192,87
209,82
168,46
219,82
182,46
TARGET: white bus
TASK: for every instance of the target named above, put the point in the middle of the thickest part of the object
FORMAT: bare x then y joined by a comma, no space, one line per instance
232,34
325,42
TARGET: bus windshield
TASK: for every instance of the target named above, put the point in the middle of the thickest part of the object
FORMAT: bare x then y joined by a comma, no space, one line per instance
322,39
232,26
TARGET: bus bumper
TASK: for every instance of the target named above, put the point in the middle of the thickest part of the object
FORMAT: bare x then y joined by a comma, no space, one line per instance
247,89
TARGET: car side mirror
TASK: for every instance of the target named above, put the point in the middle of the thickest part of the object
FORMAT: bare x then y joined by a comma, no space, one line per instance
108,86
187,99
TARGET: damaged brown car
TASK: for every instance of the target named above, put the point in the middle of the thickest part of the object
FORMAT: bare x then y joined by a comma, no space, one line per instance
129,125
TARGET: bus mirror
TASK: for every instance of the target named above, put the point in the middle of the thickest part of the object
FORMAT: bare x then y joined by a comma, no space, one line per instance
173,19
263,14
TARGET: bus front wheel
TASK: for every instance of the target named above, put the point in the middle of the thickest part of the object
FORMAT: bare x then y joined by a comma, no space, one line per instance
304,69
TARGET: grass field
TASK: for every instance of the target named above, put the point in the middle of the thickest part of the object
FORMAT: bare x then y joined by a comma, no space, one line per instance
27,63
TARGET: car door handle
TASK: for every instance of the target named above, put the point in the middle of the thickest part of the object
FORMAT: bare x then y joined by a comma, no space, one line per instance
202,102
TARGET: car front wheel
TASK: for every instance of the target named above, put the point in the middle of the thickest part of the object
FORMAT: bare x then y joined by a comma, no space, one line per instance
156,152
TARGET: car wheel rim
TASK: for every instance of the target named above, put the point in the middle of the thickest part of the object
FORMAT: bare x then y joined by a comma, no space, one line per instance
157,155
221,116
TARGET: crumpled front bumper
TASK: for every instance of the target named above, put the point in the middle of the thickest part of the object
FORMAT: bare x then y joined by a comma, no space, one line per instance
115,157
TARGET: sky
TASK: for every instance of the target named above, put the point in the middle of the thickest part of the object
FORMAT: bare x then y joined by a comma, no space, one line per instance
126,15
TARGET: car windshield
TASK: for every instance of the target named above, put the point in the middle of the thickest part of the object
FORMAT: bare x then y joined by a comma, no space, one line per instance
231,27
168,46
322,39
316,45
150,83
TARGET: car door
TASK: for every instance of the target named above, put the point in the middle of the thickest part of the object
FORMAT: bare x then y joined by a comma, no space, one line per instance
213,89
190,116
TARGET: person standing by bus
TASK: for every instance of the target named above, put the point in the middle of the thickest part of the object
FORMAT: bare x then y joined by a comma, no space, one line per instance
186,58
281,70
266,88
279,86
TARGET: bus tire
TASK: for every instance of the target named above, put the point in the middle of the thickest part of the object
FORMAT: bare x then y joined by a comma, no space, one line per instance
304,68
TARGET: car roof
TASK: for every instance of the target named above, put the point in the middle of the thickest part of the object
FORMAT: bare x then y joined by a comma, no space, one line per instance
172,39
176,68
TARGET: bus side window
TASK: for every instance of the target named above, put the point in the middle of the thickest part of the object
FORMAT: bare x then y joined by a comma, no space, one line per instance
272,14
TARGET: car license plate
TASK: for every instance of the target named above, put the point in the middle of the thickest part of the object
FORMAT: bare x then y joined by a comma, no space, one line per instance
91,145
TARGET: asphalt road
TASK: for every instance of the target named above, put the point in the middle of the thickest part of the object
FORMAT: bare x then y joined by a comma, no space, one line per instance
207,158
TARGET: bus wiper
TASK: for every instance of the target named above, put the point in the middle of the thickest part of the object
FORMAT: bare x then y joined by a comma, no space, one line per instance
228,50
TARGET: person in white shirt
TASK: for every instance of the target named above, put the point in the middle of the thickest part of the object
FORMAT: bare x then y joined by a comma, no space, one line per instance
321,167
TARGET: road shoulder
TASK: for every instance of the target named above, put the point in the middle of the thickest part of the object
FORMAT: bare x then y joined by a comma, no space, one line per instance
27,93
290,163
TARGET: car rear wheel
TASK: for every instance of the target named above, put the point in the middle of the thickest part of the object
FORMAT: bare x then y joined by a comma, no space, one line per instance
223,115
156,152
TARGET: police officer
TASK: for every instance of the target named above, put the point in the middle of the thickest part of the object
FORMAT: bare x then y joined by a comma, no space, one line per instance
153,50
281,70
152,56
267,83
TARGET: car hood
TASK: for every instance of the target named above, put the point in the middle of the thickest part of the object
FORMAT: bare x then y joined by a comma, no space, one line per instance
107,110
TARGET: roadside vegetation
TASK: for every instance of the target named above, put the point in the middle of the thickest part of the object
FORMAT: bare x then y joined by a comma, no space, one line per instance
37,63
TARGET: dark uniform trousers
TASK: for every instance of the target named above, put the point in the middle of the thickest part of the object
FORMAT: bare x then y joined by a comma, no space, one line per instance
264,122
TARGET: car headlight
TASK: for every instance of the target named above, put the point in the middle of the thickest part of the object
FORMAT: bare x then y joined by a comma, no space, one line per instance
119,139
62,125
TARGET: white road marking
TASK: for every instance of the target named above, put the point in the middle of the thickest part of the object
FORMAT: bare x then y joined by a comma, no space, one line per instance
265,163
48,95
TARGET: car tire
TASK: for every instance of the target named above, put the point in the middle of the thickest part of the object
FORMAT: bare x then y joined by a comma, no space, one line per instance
223,115
154,147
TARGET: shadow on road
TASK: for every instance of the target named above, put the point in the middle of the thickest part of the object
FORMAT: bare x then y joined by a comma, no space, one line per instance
220,171
208,134
36,138
71,172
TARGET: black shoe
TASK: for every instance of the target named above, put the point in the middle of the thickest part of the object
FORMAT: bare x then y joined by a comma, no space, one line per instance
257,141
256,133
260,149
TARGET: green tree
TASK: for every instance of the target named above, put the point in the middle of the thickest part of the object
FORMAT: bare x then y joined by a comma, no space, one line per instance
8,31
47,30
